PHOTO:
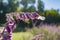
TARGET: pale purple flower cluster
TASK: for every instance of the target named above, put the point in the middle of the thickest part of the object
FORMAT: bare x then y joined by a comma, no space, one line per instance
37,37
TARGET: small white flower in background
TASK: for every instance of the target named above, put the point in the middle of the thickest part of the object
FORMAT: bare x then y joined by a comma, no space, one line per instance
5,30
41,17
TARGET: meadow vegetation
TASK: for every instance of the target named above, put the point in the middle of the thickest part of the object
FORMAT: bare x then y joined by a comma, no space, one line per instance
30,33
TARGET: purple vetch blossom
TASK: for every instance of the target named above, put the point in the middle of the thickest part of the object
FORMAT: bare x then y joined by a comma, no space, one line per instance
10,25
9,28
28,15
22,17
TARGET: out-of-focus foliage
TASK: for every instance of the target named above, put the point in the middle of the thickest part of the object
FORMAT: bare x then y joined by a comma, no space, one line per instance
31,33
29,5
6,7
22,36
12,5
52,16
31,9
47,34
2,10
40,6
